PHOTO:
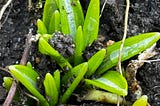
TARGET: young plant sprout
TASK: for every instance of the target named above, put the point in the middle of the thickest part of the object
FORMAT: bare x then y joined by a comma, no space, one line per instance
66,17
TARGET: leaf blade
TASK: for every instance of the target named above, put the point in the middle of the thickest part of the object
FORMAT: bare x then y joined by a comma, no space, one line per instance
28,78
54,24
79,43
82,69
111,81
51,89
132,46
41,27
91,23
49,8
57,79
95,61
67,17
46,49
142,101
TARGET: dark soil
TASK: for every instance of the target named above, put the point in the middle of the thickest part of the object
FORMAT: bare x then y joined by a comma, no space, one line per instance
143,17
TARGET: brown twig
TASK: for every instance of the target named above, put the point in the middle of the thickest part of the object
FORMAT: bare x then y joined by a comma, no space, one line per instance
23,61
27,48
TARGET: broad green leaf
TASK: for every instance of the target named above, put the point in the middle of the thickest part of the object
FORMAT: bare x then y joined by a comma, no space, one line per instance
79,43
28,78
111,81
72,79
28,73
132,46
95,61
51,89
46,49
41,27
67,17
49,8
54,24
91,23
71,16
78,12
57,79
7,82
142,101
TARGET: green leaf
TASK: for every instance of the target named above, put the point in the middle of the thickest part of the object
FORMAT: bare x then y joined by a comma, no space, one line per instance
142,101
54,24
67,17
79,44
46,37
95,61
41,27
51,89
71,16
57,79
7,82
29,65
49,8
72,79
111,81
29,74
28,78
57,2
78,12
91,23
132,46
46,49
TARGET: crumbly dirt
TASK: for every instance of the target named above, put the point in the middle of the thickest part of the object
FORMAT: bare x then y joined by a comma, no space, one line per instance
143,17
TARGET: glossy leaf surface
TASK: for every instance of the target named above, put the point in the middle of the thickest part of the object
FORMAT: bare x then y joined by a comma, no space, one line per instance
41,27
51,89
111,81
49,8
67,17
78,12
95,61
54,24
72,79
28,78
79,43
132,46
57,79
46,49
91,23
142,101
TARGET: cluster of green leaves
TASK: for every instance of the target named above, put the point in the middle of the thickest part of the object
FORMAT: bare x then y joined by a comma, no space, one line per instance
67,16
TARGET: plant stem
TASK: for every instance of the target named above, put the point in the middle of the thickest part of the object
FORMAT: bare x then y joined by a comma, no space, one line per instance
23,61
123,40
124,35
